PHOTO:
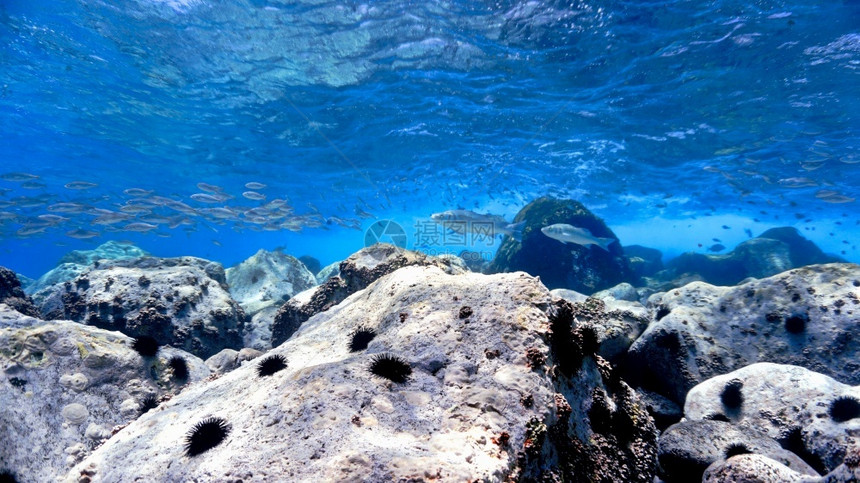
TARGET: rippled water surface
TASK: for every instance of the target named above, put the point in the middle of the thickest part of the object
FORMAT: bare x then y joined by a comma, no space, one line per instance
676,121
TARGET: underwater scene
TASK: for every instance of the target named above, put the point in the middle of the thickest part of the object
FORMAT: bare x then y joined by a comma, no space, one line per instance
578,241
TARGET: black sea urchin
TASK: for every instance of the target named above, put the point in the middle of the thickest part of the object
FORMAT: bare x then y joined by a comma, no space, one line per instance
145,345
731,396
360,338
147,403
796,323
6,476
736,449
206,435
271,365
844,408
390,367
179,367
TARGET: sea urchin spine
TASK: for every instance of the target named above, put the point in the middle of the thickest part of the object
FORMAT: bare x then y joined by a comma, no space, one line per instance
737,449
179,367
390,367
147,403
360,338
7,476
271,365
145,346
844,409
732,397
206,435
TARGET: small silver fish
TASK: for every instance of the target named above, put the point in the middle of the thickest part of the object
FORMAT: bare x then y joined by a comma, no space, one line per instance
206,198
571,234
81,234
139,227
80,185
17,177
253,195
253,185
137,192
209,187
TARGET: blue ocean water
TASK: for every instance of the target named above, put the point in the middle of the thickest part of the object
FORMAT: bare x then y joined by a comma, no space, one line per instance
677,122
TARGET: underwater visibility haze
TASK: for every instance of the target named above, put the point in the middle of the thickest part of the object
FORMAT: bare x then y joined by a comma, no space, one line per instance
645,211
215,128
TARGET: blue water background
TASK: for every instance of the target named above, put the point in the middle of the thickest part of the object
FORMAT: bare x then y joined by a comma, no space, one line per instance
669,119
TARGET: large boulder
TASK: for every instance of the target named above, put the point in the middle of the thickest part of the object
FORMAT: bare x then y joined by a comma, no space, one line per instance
754,468
356,272
13,295
468,377
774,251
76,262
261,284
686,449
805,317
66,387
585,269
815,416
110,250
178,301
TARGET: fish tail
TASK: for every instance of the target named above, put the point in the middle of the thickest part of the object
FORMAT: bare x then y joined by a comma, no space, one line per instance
605,242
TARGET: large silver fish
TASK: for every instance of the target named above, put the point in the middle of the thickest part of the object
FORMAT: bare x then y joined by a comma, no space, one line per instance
572,234
460,220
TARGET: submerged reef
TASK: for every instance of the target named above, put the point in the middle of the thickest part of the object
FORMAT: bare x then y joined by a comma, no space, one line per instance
410,367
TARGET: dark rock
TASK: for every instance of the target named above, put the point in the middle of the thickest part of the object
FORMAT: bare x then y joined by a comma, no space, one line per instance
585,269
686,449
13,295
643,261
801,251
791,404
664,411
312,263
774,251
